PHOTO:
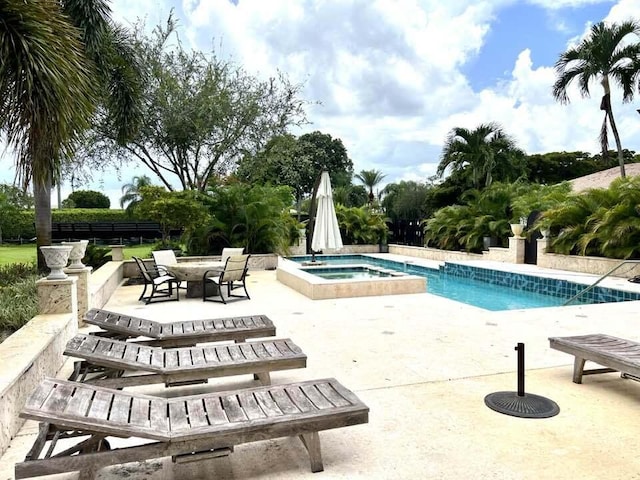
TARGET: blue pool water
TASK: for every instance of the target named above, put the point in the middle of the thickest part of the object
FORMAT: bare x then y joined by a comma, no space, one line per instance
488,289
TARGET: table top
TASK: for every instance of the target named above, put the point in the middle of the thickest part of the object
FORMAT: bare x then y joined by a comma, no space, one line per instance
193,271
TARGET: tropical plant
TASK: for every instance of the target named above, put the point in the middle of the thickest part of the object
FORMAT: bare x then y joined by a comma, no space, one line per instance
370,178
46,93
605,55
485,213
59,61
131,195
361,225
254,217
406,200
18,296
601,222
484,154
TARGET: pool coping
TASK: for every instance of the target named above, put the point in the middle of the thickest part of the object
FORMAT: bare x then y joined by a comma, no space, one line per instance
292,275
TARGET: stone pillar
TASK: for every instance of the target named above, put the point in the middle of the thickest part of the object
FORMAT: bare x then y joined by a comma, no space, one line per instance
83,293
516,249
57,296
542,245
117,253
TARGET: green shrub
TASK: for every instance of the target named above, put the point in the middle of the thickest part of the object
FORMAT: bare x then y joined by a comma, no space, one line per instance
89,199
96,256
18,295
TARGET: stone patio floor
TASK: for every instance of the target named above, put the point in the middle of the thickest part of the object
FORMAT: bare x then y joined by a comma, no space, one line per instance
423,364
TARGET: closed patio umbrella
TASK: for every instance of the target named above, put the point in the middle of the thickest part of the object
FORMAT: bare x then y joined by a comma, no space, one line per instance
326,233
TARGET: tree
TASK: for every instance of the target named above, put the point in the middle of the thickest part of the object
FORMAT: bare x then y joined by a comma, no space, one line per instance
370,178
131,195
201,114
605,55
484,154
16,197
89,199
325,153
406,200
46,96
172,210
55,60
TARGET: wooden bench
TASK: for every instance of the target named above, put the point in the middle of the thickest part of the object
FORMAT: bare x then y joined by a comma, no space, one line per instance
616,354
119,364
182,333
186,428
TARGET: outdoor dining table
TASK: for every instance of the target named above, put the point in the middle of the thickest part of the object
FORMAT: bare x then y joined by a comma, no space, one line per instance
192,272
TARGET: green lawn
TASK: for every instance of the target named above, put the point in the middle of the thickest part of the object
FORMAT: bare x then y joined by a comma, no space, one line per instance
27,253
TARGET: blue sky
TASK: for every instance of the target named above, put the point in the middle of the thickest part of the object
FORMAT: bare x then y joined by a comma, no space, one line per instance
393,77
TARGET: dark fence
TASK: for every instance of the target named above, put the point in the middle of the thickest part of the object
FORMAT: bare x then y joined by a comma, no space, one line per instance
406,232
113,231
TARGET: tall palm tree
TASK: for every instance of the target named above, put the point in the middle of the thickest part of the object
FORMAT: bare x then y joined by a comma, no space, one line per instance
604,55
131,192
46,95
370,178
479,152
61,60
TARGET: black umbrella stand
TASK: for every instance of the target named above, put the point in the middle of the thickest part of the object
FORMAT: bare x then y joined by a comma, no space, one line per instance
521,404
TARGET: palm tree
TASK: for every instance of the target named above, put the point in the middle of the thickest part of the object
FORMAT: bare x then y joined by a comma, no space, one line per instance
480,153
46,95
131,192
602,56
56,56
370,178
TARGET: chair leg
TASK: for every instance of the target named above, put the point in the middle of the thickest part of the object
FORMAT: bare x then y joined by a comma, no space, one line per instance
311,441
221,295
143,292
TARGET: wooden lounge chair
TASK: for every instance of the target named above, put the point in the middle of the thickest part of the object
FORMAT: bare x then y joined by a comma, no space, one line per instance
185,428
616,354
183,333
118,364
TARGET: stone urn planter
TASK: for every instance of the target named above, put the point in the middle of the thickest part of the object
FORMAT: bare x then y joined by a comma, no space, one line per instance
56,258
517,229
77,253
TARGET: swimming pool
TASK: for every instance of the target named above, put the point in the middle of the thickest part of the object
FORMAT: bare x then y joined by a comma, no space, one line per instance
348,272
488,289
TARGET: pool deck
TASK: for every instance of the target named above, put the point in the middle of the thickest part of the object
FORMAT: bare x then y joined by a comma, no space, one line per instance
423,364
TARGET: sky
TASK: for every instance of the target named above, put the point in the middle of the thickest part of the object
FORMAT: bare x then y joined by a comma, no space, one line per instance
391,78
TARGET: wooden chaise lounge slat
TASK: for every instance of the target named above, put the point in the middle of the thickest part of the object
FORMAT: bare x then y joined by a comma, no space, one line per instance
183,333
190,425
127,364
616,354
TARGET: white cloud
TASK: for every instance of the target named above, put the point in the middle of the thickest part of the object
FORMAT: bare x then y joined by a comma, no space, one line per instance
390,74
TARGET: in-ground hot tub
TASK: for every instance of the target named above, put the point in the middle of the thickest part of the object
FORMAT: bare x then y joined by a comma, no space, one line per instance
343,281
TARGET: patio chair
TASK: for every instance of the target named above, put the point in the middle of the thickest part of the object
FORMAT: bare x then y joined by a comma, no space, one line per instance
163,258
187,428
183,332
231,278
229,252
118,364
162,285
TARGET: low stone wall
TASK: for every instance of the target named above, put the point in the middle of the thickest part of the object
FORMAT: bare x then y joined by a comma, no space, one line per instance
30,354
592,265
433,253
257,261
513,254
104,282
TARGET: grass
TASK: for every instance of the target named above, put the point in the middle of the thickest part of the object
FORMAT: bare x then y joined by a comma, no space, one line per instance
27,253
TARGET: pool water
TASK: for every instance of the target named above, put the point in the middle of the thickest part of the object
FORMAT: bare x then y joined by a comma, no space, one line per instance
472,292
346,273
